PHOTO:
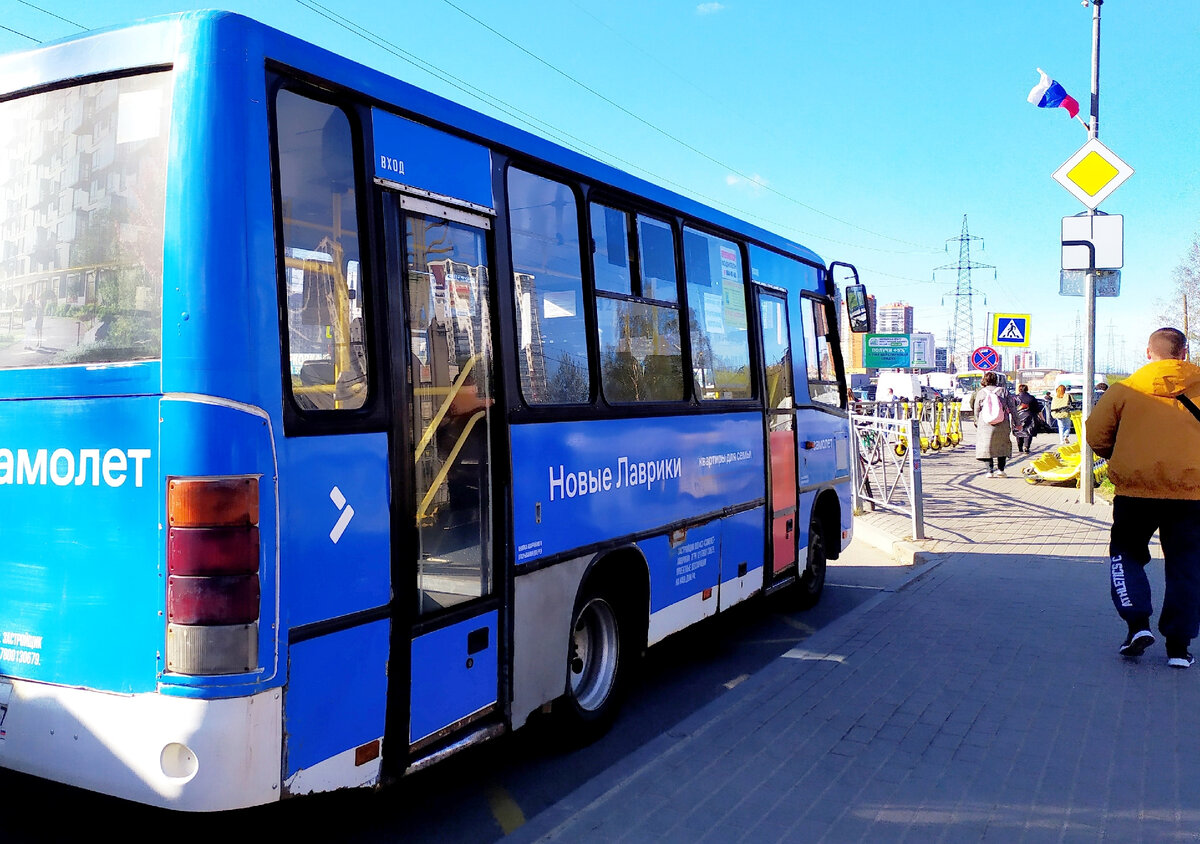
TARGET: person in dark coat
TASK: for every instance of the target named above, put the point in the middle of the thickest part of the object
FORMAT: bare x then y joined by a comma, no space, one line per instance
1025,423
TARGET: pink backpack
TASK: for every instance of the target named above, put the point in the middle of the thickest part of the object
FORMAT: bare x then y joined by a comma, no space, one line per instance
991,409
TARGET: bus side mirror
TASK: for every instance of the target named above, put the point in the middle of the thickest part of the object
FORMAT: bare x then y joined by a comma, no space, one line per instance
856,308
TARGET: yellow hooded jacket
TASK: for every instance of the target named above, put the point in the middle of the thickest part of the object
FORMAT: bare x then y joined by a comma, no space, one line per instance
1151,440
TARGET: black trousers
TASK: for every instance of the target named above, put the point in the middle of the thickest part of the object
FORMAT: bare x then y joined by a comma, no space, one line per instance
1178,524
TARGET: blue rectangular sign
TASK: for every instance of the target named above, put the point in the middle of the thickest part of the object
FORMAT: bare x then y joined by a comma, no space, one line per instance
418,156
576,483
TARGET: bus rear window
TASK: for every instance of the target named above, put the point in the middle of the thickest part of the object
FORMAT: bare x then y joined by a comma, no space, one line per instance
82,185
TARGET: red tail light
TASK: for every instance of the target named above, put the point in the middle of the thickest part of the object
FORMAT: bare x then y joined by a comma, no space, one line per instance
213,591
199,552
212,600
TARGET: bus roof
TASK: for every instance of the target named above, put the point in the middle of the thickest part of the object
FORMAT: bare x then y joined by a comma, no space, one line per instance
129,46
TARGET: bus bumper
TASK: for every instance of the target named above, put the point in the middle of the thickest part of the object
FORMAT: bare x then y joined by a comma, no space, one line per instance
177,753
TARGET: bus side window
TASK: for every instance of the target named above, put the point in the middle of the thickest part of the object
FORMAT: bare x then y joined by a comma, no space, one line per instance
640,348
325,345
822,378
716,291
548,289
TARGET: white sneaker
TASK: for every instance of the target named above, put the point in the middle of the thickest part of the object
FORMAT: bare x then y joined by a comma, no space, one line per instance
990,475
999,475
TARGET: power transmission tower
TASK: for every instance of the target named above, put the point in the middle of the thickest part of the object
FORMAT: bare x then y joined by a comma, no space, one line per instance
960,337
1112,347
1077,350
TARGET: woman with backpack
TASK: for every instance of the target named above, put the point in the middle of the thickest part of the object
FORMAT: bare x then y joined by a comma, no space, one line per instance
993,408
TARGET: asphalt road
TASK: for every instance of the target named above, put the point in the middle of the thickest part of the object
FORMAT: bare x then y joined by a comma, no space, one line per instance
486,791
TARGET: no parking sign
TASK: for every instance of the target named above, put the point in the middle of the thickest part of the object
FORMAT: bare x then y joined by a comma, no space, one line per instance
985,358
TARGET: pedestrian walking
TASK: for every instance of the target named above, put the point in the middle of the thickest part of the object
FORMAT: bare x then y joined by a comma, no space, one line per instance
885,406
1144,426
1060,412
1026,417
993,411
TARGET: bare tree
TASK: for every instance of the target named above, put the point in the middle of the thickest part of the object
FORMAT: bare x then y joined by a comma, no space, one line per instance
1183,308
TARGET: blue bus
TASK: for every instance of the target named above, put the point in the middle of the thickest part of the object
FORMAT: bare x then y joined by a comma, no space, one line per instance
293,497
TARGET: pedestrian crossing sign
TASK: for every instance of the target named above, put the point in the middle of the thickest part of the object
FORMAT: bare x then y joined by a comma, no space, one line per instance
1010,329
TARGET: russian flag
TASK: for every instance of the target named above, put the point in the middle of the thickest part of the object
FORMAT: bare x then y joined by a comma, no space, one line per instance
1049,94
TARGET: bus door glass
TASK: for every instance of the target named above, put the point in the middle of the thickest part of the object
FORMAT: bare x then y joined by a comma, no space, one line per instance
449,370
780,424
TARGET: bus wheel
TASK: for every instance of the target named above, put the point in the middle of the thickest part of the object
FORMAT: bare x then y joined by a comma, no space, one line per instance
595,669
812,580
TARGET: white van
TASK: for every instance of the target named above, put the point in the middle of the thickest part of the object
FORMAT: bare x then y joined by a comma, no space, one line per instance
904,386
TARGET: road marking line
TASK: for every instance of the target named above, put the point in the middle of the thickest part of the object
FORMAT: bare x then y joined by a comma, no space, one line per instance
504,809
737,681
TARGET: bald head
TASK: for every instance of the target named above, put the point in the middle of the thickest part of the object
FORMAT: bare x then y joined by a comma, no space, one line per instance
1167,344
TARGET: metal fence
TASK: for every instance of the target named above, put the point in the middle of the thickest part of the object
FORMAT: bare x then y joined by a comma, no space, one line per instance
887,473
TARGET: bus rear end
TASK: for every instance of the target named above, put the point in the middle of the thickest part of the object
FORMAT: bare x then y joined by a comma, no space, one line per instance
135,557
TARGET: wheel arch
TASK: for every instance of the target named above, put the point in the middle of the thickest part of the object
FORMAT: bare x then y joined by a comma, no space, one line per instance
827,512
627,571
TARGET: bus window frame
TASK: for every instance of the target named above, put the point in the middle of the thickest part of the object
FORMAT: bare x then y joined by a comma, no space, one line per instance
521,406
835,352
633,212
755,400
372,415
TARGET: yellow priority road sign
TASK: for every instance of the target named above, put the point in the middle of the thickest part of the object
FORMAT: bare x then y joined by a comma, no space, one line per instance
1010,330
1092,173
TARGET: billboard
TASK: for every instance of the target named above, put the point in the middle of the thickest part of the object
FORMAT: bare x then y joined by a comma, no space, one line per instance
887,351
923,352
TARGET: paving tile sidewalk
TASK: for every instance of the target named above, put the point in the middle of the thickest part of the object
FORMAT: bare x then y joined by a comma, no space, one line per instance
984,701
964,509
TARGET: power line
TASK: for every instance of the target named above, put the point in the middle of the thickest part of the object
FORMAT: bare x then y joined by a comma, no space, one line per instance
670,136
22,34
561,136
51,14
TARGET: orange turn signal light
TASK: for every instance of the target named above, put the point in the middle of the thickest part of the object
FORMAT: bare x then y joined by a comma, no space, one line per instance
212,502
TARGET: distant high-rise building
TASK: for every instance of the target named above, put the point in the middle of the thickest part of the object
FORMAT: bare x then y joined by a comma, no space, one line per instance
941,358
1027,359
896,318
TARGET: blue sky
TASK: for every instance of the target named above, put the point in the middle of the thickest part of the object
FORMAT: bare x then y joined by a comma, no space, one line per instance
864,131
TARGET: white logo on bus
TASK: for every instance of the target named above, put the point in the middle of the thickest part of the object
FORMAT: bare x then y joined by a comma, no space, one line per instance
339,500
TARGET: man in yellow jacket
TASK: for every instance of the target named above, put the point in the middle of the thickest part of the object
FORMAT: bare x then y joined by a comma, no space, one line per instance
1151,438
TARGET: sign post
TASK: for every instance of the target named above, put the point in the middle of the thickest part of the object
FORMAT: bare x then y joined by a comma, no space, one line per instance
1090,175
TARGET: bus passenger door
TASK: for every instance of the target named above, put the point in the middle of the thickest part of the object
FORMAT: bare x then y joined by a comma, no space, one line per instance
780,423
444,581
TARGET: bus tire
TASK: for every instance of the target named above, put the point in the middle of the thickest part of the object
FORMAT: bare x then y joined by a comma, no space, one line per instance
812,580
598,659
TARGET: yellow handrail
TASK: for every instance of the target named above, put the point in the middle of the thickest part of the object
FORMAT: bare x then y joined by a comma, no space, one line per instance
444,409
440,478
